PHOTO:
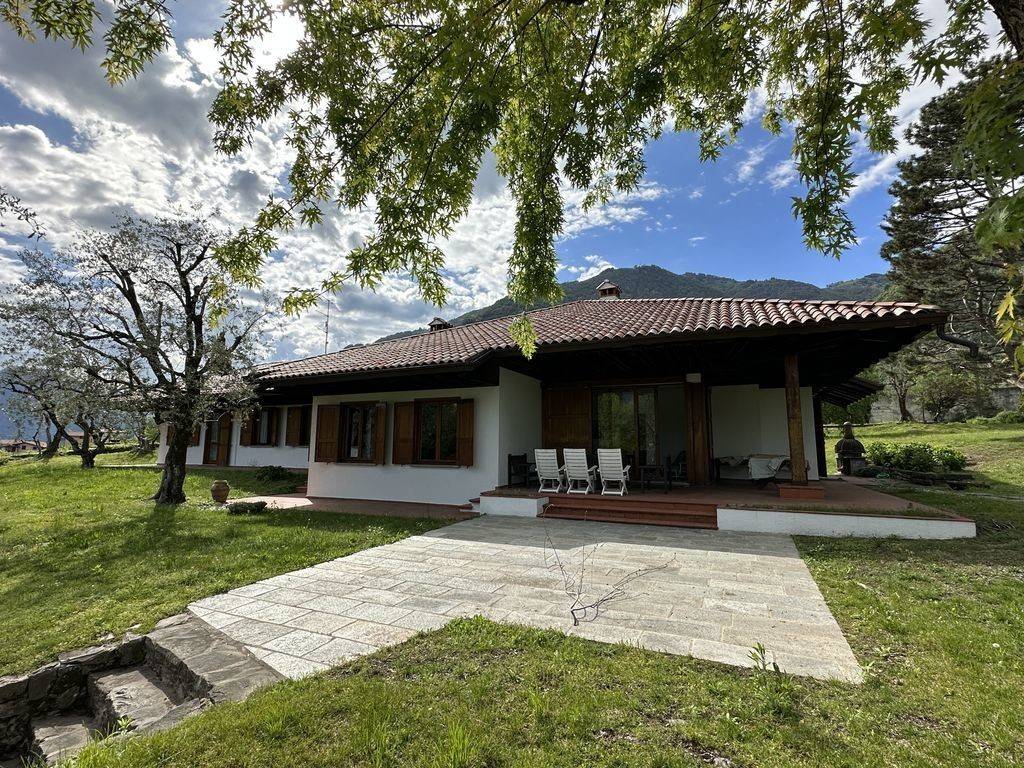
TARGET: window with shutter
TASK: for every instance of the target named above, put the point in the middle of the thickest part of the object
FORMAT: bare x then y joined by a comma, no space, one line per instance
402,443
327,422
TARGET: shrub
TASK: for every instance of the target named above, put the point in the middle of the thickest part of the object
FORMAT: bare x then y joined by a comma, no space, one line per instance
1008,417
246,507
882,454
915,457
950,459
275,474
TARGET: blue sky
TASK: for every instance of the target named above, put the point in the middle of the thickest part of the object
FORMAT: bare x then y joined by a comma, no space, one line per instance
78,151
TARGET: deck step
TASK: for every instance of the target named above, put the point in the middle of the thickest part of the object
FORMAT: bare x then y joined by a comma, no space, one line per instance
134,699
679,515
611,517
58,737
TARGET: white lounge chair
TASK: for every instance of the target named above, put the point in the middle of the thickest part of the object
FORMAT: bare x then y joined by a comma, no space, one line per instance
609,461
577,472
548,471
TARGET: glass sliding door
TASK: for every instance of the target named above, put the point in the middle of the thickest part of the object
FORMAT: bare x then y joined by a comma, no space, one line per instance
647,427
627,419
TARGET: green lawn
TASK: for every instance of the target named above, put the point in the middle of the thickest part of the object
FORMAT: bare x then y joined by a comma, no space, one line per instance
995,450
938,627
84,553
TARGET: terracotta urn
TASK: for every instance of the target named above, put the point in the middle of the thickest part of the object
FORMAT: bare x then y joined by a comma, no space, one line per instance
219,491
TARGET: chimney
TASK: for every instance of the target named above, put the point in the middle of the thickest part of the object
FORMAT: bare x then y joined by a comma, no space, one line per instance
608,290
437,324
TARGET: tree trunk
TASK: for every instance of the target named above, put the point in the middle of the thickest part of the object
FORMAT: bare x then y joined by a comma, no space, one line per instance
901,399
85,451
1011,16
52,443
172,482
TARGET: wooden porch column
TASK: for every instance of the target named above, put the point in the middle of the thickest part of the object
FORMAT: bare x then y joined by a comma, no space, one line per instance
698,433
797,455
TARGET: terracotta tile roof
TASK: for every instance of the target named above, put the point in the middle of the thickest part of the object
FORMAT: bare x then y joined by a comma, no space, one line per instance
594,320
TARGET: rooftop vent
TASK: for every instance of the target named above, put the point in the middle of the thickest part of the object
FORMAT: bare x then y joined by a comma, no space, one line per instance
608,290
437,324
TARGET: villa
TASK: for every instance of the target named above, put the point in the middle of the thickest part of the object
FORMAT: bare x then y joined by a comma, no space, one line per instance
689,389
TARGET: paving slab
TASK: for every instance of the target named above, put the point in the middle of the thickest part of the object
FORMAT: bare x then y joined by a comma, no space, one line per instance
708,594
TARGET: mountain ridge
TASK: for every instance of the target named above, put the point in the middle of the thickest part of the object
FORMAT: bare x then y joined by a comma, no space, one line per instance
654,282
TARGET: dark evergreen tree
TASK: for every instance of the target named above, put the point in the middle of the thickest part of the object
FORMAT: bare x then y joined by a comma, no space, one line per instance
932,248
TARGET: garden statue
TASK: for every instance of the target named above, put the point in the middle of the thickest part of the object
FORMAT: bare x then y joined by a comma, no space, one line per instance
850,452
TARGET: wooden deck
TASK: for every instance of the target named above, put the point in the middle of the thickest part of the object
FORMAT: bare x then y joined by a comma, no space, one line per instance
697,506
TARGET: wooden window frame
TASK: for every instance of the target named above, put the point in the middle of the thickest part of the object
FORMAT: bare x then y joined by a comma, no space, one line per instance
343,426
417,410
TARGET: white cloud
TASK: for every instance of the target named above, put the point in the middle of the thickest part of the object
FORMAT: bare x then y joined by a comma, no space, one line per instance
595,265
753,158
696,193
696,240
781,174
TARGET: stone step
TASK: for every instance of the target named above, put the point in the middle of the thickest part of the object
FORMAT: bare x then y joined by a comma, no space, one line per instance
58,737
134,699
200,662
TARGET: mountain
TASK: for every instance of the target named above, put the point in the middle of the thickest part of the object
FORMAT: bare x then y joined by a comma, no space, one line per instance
653,282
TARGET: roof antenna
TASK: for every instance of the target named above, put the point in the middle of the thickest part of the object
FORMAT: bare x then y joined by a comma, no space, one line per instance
327,323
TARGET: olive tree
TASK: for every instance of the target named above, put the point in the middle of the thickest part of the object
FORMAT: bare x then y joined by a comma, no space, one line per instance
148,305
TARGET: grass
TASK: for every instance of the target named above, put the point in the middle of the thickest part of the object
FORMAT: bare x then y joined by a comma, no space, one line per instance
938,627
84,554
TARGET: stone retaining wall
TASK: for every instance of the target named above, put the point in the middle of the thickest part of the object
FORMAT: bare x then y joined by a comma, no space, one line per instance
57,687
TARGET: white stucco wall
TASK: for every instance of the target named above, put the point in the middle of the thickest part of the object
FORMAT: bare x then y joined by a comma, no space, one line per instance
832,524
278,455
423,483
747,419
519,422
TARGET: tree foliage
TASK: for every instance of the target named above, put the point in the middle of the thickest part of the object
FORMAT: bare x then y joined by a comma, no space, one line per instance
394,105
134,303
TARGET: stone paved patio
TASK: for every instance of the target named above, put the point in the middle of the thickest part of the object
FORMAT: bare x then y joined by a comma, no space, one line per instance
714,595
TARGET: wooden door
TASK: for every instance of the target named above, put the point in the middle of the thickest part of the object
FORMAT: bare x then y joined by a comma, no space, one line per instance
217,450
565,418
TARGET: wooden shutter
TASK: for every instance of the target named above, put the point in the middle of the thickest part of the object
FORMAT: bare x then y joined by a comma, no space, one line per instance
273,419
565,417
466,427
402,446
293,427
194,440
245,432
327,417
380,435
